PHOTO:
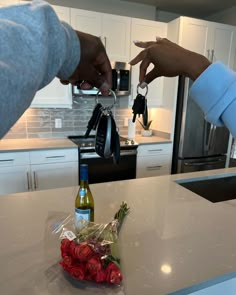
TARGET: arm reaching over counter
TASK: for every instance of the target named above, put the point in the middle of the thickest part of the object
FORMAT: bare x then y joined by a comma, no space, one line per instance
214,87
35,48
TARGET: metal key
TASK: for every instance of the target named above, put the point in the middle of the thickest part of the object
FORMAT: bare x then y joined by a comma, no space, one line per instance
92,124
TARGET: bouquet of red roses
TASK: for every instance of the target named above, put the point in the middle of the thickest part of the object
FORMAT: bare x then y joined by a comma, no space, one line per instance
91,254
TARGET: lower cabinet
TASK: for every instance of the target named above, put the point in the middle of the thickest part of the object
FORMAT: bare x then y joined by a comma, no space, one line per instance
14,179
47,176
38,170
153,160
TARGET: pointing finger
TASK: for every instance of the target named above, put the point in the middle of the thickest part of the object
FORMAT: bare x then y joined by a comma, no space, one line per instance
143,68
153,74
142,44
138,58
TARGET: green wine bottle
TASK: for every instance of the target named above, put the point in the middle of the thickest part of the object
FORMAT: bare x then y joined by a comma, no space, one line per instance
84,203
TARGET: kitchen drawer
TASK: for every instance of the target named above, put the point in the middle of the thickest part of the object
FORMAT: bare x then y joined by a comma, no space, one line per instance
14,159
54,156
154,149
153,166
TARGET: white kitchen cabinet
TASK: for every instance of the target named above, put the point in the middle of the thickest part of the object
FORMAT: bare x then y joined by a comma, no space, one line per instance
146,30
153,160
54,168
214,40
14,172
55,95
47,176
113,30
38,170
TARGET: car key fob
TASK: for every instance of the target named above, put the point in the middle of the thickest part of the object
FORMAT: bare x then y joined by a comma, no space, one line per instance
103,136
116,147
138,106
92,124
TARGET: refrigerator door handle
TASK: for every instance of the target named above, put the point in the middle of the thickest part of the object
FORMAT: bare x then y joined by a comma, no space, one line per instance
205,163
211,137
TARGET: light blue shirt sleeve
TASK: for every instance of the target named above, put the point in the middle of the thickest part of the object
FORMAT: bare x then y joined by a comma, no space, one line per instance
215,92
35,47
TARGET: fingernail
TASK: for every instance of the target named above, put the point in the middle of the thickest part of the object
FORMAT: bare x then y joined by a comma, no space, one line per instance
158,38
105,86
136,41
143,85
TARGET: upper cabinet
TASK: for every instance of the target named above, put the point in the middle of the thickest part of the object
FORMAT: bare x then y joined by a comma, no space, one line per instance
214,40
55,94
113,30
145,30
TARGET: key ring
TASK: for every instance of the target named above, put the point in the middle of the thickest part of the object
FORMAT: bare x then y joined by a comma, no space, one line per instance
146,86
110,92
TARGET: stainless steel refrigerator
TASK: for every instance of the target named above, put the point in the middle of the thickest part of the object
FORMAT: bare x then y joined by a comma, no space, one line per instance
198,145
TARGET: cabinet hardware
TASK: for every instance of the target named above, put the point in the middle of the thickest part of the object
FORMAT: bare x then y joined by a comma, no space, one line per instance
157,150
28,181
7,160
35,181
54,157
154,167
208,54
212,55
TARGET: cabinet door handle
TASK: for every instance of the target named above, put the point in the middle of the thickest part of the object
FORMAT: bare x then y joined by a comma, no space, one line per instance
157,167
28,181
35,181
7,160
156,150
55,157
212,55
208,54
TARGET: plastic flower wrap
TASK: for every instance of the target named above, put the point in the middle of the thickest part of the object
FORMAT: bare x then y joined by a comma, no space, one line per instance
91,253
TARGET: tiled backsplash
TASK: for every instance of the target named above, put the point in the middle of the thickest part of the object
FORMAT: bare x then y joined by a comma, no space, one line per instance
40,123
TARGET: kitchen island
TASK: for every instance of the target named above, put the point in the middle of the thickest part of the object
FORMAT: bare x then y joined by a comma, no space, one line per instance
172,239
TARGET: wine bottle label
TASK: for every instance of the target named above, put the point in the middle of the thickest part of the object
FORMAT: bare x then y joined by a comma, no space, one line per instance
82,217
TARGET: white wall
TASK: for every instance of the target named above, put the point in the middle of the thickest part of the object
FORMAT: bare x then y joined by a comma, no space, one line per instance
227,16
111,6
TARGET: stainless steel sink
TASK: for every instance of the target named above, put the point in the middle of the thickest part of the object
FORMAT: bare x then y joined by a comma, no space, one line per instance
215,189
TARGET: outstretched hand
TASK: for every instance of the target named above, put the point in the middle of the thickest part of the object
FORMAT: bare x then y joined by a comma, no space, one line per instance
169,60
94,67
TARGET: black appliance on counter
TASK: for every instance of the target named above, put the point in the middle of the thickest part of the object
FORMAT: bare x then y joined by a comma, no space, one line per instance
198,145
104,170
121,81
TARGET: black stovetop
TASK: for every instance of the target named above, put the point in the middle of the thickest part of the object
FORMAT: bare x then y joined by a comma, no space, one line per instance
89,142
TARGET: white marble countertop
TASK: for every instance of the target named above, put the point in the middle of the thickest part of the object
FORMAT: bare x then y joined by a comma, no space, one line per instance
172,238
9,145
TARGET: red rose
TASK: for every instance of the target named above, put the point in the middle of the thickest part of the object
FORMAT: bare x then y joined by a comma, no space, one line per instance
83,251
94,265
68,261
100,276
65,247
77,272
72,248
113,274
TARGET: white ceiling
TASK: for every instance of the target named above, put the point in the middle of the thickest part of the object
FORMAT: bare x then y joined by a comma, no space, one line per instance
194,8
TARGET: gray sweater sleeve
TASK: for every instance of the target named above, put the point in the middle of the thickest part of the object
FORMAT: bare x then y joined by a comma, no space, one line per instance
35,47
